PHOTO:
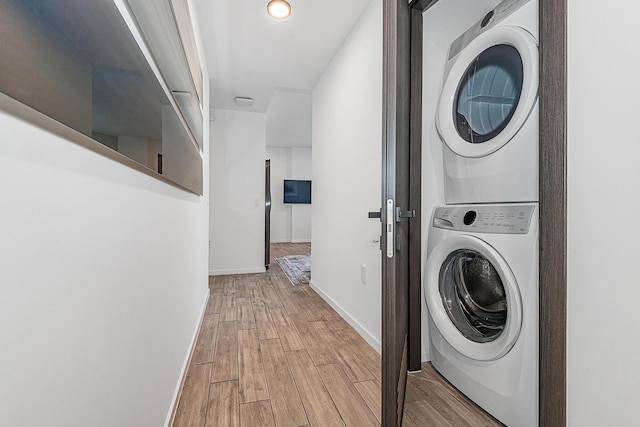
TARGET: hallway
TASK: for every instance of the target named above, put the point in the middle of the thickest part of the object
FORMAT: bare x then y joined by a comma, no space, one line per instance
269,353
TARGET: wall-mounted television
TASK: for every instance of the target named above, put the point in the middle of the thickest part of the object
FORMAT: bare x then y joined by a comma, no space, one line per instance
297,191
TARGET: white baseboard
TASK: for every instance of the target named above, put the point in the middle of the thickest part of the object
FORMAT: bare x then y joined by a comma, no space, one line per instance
176,394
280,241
237,271
373,341
300,241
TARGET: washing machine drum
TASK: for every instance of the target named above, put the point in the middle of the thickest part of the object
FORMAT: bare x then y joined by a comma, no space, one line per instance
473,297
489,92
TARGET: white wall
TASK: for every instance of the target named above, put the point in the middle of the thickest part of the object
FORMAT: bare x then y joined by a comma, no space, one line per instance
603,374
347,140
280,213
237,221
289,222
102,285
289,119
443,23
288,140
301,168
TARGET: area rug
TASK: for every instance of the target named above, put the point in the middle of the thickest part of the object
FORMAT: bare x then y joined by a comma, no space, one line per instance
296,267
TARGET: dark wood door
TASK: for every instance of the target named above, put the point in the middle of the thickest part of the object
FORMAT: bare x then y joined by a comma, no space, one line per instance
395,207
267,214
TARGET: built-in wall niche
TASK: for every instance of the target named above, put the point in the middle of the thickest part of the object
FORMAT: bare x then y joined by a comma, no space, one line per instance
124,75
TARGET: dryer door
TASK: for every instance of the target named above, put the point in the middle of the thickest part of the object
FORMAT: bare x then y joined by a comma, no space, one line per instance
473,297
489,91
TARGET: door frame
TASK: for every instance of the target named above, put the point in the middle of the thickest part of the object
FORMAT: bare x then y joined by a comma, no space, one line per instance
553,212
414,356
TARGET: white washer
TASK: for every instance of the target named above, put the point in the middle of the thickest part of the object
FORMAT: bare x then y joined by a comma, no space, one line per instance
487,115
481,291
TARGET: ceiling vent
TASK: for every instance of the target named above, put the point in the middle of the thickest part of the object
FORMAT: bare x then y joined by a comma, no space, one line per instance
244,102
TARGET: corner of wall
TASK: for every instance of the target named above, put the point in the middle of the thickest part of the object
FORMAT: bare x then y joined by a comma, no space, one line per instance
364,332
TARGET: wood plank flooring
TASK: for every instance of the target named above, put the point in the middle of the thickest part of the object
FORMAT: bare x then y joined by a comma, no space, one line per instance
269,353
431,401
272,354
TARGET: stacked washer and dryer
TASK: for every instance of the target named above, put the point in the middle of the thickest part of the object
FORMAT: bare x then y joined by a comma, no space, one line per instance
481,275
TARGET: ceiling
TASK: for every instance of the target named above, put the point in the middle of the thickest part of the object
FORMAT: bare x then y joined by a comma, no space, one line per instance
250,54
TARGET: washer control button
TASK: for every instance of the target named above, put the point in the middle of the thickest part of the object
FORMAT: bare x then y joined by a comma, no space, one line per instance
469,217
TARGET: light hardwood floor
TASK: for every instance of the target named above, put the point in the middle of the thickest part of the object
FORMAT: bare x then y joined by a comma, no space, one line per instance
269,353
432,401
272,354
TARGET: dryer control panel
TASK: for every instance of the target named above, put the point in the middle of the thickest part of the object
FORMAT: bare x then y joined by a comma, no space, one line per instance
499,13
495,219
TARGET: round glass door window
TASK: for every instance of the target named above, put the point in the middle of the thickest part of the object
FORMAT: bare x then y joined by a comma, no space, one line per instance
473,295
488,93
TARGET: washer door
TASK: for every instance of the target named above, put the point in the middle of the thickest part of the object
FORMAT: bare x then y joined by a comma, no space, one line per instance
473,297
489,92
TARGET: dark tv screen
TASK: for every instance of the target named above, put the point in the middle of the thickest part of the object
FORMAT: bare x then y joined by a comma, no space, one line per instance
296,191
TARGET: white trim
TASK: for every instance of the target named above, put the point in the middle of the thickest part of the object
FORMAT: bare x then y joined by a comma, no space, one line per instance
187,361
281,241
237,271
300,241
350,320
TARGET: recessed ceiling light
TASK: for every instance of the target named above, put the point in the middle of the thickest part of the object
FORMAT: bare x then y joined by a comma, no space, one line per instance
279,9
242,101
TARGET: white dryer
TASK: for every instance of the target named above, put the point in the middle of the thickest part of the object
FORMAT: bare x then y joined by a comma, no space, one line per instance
487,114
481,291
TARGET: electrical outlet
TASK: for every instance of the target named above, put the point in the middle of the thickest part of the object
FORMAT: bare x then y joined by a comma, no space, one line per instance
363,274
